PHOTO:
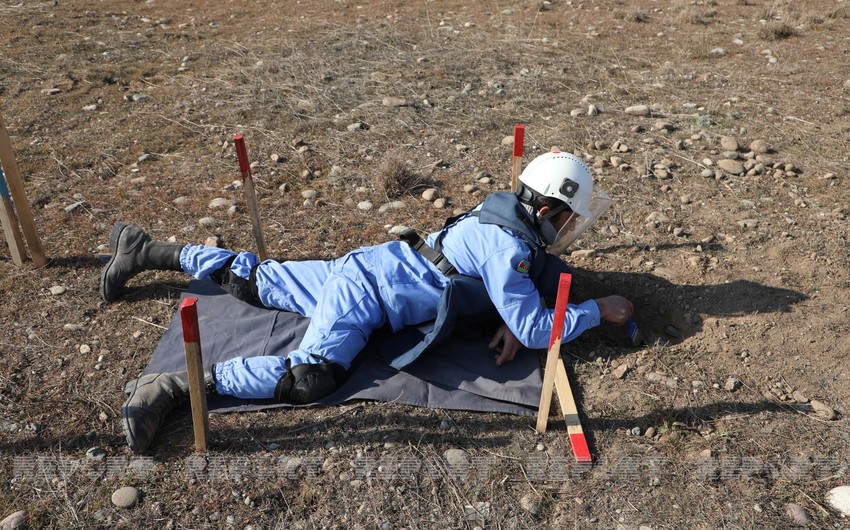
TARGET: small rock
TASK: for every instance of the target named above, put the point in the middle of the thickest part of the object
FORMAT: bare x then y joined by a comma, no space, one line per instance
824,411
540,447
90,108
394,102
731,166
51,91
207,221
718,52
14,521
839,498
213,241
357,126
732,384
85,348
759,147
125,497
397,229
508,140
460,148
440,203
96,453
584,253
748,223
456,458
180,200
72,327
430,194
74,205
56,290
309,194
650,432
138,97
219,202
593,110
620,371
798,515
729,143
364,205
394,205
638,110
799,397
530,504
445,425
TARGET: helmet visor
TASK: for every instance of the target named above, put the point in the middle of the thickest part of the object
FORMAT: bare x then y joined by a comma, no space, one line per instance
575,224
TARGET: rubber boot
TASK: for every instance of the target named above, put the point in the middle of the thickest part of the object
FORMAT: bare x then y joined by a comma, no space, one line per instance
152,398
134,252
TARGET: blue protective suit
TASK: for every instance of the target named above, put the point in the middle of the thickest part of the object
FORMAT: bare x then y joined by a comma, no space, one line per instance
496,252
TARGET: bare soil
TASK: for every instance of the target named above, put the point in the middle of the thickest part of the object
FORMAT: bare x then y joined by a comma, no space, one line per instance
764,301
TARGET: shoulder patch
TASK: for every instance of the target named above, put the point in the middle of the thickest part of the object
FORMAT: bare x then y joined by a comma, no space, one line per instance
523,266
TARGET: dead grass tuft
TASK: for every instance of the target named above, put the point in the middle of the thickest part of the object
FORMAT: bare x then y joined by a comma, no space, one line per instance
693,15
775,30
394,178
634,15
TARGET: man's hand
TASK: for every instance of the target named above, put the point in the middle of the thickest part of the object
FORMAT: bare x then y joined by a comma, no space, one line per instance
510,344
614,309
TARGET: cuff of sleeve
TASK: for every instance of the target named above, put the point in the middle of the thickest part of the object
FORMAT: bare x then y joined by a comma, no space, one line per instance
590,309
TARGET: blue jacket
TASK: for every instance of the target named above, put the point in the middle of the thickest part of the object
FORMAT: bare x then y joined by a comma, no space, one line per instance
503,266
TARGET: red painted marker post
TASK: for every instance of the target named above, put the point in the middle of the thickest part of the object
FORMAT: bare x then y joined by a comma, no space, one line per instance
516,163
195,371
250,195
556,374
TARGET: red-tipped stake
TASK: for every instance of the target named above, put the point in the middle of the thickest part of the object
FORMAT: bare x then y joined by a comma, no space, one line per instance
16,192
516,163
195,371
556,375
250,195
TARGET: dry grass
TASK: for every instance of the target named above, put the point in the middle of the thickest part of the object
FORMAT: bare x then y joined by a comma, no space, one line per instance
775,30
697,16
394,177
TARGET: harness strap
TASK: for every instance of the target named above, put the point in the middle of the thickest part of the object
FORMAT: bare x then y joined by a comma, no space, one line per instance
435,256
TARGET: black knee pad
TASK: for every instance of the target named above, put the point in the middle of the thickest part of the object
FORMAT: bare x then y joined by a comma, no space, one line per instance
305,383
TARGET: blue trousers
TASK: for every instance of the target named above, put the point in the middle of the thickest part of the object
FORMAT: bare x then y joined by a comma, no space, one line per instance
346,299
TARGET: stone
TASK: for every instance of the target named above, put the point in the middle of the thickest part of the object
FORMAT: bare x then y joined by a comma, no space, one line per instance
85,348
823,410
393,205
593,110
729,143
759,147
207,221
357,126
584,253
798,515
456,458
14,521
95,453
309,194
731,166
839,499
125,497
180,200
440,203
620,371
650,432
657,377
364,205
220,202
530,504
508,140
56,290
430,194
637,110
74,205
718,52
748,223
391,101
732,384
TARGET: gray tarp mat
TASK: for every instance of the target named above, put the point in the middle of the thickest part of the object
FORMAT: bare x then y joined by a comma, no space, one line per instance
458,374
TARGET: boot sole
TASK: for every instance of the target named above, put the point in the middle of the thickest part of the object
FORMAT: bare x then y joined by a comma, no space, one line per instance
114,237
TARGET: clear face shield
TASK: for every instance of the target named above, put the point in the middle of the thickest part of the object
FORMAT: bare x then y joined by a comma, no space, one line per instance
573,225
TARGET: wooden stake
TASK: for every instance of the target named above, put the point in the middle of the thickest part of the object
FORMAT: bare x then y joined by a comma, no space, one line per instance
554,354
195,371
516,163
568,408
16,189
10,224
250,195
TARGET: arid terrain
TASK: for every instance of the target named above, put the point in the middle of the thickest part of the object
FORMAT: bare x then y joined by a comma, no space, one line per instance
720,128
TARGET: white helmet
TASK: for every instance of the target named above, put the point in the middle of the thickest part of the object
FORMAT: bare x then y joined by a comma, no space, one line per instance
565,177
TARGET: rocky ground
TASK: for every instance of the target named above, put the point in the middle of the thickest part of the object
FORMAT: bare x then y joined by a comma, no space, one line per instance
720,128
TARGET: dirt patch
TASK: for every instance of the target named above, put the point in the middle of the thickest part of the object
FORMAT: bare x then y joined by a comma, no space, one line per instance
128,106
